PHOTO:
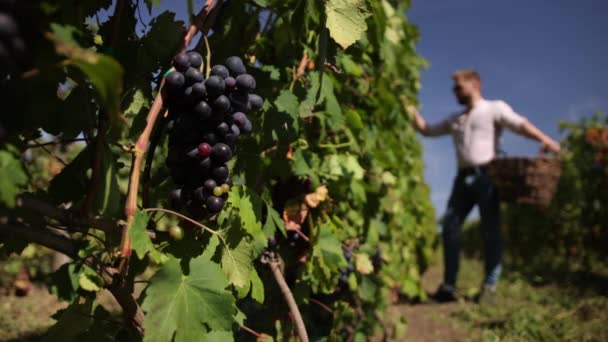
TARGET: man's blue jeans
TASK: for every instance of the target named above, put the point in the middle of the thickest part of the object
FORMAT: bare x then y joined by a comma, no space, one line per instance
469,190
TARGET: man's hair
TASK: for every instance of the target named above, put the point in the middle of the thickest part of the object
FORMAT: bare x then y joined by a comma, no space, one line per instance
466,75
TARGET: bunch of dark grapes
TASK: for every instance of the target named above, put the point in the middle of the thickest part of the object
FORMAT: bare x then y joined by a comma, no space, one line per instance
206,119
350,268
12,46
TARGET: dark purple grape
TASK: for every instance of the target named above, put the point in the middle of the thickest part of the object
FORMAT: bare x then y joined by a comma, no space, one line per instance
193,153
210,138
247,127
240,102
202,110
220,70
215,86
214,204
201,195
234,130
240,119
222,129
170,125
220,174
193,76
195,59
174,81
210,184
181,62
256,101
221,153
230,83
198,90
221,104
204,166
245,83
235,65
175,199
8,26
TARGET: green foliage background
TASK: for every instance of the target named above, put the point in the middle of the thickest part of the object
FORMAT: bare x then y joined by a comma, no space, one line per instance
341,124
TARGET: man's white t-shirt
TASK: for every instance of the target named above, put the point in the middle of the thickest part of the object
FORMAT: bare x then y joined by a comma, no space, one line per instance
477,133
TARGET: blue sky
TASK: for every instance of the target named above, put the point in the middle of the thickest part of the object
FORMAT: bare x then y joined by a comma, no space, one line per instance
546,58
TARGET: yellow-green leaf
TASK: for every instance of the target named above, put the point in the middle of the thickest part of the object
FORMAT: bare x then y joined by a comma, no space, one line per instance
346,20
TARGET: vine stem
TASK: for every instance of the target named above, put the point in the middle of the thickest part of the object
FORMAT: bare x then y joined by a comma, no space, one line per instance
139,150
275,267
252,332
323,306
184,217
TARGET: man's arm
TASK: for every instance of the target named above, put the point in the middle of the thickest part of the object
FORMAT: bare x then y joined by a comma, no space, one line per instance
527,129
521,125
425,129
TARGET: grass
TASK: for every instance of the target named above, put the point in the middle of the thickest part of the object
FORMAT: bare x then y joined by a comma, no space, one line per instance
557,310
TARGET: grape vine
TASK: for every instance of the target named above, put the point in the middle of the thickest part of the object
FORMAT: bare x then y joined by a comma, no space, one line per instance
305,230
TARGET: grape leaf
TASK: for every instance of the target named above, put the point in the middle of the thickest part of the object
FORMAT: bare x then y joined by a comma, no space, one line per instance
257,287
89,280
287,102
13,176
187,305
72,321
346,20
151,3
261,3
140,240
64,282
107,198
274,222
247,206
70,183
161,41
237,257
104,72
326,260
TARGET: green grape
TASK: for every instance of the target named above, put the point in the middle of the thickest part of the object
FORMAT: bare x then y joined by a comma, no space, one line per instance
176,233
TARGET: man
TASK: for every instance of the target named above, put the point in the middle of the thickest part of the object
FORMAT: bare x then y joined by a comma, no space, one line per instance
476,132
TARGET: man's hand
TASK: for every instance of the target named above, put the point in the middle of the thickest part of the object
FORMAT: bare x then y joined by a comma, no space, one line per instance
550,145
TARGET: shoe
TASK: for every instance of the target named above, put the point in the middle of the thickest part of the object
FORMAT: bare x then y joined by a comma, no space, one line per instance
487,295
444,294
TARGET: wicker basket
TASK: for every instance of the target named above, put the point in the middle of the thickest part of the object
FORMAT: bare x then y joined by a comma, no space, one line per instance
530,180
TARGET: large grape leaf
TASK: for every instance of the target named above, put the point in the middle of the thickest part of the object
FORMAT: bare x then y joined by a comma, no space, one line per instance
13,176
346,20
187,306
